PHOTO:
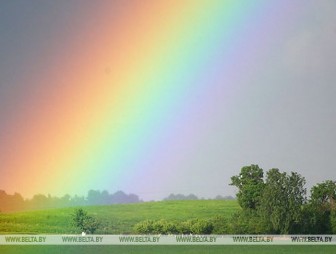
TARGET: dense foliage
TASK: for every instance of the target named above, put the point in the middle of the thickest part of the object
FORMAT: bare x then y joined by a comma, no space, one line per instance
195,226
279,203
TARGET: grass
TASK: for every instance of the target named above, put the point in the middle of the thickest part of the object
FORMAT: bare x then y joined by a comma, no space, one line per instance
121,218
168,249
117,219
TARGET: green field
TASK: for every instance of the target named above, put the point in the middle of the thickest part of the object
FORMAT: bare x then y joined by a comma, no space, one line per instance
121,218
168,249
117,219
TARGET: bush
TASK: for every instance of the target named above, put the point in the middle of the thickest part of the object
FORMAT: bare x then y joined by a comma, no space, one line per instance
165,227
221,225
85,222
201,227
195,226
156,227
185,227
144,227
249,222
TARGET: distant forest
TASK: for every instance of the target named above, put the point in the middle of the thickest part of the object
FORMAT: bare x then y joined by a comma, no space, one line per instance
10,203
15,202
194,197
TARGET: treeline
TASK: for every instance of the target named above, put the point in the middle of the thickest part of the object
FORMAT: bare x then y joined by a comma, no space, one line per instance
278,203
194,197
10,203
15,202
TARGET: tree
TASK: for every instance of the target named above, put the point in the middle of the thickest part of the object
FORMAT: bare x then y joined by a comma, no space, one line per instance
40,201
94,197
250,184
11,202
282,201
85,222
248,221
322,207
324,195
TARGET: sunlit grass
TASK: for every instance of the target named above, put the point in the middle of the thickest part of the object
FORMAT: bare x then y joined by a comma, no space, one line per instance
117,219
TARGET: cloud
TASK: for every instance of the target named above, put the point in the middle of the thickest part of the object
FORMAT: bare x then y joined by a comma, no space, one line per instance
312,50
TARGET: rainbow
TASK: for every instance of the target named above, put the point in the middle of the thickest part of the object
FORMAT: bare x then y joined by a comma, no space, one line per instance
118,100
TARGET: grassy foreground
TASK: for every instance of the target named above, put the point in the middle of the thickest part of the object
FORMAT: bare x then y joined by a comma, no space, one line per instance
121,218
116,219
168,249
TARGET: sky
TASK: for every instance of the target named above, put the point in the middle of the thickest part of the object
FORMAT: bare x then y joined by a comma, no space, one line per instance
159,97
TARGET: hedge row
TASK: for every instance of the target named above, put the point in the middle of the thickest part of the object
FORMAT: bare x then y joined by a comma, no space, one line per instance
216,225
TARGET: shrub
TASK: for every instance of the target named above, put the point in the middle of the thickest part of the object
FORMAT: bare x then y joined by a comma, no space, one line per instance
185,227
85,222
249,222
156,227
221,225
165,227
201,227
144,227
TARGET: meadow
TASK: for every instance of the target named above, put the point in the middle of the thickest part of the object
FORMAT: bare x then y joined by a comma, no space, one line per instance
121,218
116,219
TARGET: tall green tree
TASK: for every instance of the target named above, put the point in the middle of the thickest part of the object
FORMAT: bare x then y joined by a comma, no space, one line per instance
282,201
250,184
324,195
323,208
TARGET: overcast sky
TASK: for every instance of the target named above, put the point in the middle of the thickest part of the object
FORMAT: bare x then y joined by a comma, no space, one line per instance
283,116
